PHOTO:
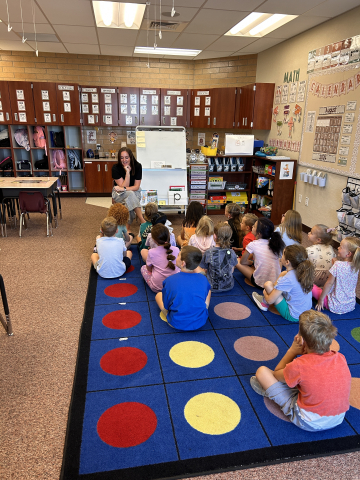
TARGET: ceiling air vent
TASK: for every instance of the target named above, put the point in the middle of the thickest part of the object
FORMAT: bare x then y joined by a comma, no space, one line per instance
165,26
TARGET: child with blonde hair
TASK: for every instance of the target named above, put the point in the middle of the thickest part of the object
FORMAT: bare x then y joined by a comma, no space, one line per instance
219,261
321,253
247,223
160,262
291,294
338,294
233,214
290,227
121,215
203,239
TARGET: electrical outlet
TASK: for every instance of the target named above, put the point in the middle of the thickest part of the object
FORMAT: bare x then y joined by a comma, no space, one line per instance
306,201
300,197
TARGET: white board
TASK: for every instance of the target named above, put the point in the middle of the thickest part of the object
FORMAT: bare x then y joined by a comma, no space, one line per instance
162,144
239,144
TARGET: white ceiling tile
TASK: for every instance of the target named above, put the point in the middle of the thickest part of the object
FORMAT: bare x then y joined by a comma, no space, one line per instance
71,34
296,26
68,12
194,41
186,14
332,8
117,36
49,47
15,14
82,48
168,38
183,3
211,54
116,50
260,45
219,22
8,36
288,7
17,46
29,27
239,5
225,44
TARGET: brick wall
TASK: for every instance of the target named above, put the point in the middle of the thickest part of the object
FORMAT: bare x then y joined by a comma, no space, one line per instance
105,70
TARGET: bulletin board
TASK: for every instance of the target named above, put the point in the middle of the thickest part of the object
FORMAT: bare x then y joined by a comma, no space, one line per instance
331,125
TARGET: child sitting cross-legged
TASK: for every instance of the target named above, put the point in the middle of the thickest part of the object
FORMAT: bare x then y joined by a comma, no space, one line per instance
312,390
203,239
185,297
150,243
112,259
219,261
291,294
247,223
160,262
121,215
321,253
151,209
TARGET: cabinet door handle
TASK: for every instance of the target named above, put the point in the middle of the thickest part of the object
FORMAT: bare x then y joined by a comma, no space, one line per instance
7,116
243,121
98,166
142,120
136,120
54,117
214,120
16,116
208,120
246,122
106,167
62,117
97,118
163,120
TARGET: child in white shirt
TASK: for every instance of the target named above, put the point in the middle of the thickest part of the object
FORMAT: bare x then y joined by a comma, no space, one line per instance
203,239
321,253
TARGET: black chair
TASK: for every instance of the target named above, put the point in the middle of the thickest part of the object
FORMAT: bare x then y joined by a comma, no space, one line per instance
5,321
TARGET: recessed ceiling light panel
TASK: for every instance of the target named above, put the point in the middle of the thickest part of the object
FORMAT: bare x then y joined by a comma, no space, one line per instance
118,15
258,24
167,51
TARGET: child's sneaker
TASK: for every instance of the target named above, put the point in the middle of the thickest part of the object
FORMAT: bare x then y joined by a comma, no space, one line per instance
260,302
254,382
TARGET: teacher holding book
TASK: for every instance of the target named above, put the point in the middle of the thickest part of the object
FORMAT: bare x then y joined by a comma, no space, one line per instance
127,175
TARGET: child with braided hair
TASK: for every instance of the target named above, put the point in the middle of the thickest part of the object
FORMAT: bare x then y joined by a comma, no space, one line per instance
160,262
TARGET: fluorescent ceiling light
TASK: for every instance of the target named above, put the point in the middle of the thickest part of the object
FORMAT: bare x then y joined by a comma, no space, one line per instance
167,51
267,23
245,22
258,24
118,15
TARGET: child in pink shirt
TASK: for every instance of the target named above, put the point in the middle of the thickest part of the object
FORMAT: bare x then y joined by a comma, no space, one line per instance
203,239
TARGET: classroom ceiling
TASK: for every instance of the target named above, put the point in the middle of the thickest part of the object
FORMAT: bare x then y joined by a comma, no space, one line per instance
68,26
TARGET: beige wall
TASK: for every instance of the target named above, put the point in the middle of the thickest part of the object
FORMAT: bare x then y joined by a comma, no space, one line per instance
292,55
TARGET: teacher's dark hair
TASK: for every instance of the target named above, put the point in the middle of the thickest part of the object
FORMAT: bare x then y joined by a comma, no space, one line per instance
132,159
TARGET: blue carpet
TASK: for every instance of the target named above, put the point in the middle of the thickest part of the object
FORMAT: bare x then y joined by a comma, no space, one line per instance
151,402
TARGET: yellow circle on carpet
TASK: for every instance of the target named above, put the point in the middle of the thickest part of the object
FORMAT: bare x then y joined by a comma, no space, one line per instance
192,354
212,413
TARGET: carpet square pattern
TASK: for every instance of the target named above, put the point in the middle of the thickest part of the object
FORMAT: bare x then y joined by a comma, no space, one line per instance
152,402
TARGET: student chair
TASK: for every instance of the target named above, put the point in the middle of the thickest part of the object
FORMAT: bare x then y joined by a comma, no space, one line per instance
6,322
32,202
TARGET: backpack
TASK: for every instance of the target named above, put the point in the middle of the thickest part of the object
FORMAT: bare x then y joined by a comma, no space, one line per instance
4,138
74,159
59,160
57,139
39,137
42,164
6,164
22,138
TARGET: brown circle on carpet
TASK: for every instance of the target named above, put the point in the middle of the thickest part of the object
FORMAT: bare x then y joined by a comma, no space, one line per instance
120,290
258,349
275,409
232,311
355,393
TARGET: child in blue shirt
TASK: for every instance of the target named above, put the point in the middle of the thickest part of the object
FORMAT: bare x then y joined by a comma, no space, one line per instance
185,297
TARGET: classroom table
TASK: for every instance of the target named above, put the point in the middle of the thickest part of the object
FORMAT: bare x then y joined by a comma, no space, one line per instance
10,187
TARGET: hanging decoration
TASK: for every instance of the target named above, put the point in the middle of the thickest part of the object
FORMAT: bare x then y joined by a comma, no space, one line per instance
173,9
155,44
160,33
291,126
22,24
33,15
286,113
275,113
297,113
7,8
147,31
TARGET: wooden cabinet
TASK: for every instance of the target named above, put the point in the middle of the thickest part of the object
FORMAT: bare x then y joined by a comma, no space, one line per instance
90,105
174,107
5,106
254,106
98,176
45,102
223,107
68,103
22,103
109,107
150,107
128,107
200,110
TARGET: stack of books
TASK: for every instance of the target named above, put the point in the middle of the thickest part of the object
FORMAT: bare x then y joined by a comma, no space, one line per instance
198,178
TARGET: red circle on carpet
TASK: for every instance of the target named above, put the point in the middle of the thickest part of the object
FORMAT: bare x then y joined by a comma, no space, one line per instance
126,424
120,290
123,361
121,319
130,269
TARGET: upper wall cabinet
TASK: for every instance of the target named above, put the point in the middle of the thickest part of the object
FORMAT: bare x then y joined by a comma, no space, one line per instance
174,107
90,105
200,114
45,102
109,107
22,103
68,103
149,106
254,106
128,106
223,102
5,107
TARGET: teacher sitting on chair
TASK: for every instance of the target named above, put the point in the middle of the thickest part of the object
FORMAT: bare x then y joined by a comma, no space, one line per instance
127,174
